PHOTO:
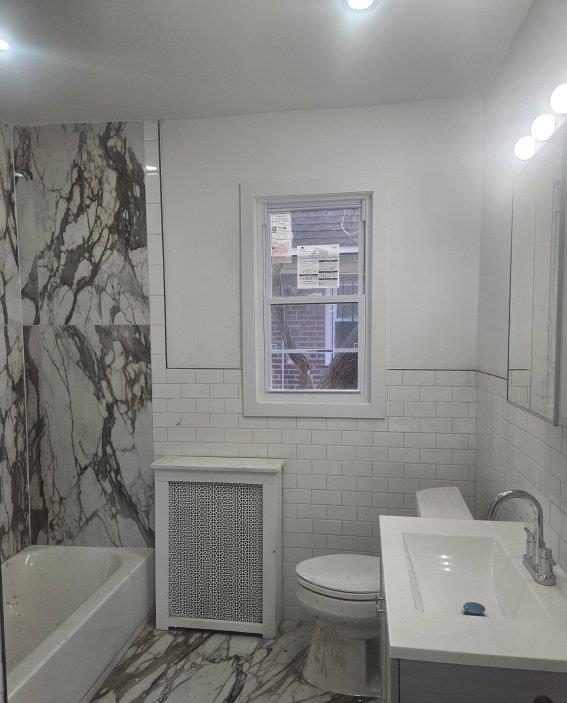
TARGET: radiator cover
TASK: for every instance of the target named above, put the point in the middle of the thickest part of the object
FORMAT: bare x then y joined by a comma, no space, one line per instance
215,551
218,547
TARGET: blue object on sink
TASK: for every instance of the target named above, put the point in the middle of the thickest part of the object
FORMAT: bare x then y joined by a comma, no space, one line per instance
472,608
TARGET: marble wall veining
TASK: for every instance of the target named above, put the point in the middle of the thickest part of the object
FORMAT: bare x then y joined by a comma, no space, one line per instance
95,444
86,262
14,514
10,307
14,522
84,284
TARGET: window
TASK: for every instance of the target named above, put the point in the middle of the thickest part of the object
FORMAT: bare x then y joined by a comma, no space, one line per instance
312,334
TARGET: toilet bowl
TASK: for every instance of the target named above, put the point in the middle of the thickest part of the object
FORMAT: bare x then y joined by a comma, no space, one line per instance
340,591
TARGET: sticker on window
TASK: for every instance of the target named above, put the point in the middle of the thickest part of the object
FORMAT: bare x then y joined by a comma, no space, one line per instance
318,266
282,237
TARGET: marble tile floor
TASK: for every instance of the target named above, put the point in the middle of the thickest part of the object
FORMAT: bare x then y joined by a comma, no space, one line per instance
185,666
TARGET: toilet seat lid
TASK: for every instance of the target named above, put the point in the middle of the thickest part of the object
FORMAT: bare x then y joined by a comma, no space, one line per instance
342,574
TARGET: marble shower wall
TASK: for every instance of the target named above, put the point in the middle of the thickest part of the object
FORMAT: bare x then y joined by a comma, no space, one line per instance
85,306
14,522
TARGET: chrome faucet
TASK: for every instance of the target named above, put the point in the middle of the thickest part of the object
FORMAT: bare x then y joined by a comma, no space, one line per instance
538,558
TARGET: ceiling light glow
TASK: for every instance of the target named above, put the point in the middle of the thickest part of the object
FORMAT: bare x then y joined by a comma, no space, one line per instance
525,148
4,46
558,99
543,127
360,4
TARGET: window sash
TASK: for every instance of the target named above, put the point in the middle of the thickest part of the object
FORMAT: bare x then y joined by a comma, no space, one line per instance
314,205
361,298
361,350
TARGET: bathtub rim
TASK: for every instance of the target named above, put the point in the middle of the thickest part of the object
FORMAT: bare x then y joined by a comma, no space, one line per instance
134,558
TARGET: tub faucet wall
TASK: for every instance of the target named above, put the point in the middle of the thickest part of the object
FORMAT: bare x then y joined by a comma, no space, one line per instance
85,311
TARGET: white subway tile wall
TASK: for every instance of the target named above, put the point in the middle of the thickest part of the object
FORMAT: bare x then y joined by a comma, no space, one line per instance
340,475
519,450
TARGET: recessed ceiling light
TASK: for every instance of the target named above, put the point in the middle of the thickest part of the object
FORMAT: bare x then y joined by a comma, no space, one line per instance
558,99
525,148
543,127
4,46
360,5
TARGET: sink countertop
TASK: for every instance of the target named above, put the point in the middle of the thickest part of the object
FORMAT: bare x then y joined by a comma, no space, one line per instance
432,566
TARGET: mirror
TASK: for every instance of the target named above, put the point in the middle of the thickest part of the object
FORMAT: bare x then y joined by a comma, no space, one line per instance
536,275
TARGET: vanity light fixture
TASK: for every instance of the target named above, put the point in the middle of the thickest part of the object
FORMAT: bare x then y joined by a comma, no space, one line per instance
360,5
4,45
558,99
525,148
543,127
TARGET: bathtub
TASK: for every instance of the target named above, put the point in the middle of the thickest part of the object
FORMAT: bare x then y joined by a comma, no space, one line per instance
69,614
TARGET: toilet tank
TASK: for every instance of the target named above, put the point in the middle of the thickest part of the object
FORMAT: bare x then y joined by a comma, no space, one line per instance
442,503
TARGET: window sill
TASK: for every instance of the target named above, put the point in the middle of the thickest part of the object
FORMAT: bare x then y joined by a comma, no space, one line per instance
332,407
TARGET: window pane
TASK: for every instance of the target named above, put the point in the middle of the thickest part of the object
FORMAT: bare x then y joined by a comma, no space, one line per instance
319,227
314,347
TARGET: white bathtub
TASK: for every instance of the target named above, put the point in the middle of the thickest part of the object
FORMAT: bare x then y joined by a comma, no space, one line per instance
69,613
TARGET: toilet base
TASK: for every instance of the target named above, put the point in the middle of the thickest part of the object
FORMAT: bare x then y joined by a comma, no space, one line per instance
341,664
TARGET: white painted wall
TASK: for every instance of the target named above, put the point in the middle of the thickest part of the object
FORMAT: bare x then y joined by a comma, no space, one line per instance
340,474
430,150
535,64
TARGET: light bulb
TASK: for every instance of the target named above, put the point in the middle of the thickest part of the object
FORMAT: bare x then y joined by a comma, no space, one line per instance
558,99
543,127
4,46
524,148
360,4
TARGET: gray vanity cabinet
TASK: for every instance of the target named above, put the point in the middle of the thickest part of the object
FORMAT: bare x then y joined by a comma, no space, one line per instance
408,681
425,682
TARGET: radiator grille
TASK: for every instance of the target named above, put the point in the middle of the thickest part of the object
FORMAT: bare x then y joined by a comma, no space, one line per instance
215,551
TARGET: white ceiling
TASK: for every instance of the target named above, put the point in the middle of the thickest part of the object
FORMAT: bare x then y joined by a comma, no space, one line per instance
87,60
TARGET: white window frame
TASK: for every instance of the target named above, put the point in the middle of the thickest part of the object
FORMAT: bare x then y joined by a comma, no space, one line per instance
369,400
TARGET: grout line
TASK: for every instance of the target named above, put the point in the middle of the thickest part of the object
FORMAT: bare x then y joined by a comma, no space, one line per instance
494,375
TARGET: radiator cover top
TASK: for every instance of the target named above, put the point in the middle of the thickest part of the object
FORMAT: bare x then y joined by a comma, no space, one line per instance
215,533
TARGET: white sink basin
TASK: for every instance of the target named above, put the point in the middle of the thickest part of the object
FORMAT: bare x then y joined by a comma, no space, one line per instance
432,567
449,570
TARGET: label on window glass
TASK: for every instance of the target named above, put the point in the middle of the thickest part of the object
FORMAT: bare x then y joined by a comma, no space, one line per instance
282,236
318,266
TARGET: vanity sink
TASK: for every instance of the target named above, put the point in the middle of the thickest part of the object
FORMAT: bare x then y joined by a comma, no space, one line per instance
448,570
431,567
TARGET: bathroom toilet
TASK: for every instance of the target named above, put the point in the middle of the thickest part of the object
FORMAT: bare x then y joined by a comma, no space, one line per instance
341,591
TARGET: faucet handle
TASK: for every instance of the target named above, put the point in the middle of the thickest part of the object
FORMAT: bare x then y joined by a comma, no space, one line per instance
547,554
546,562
